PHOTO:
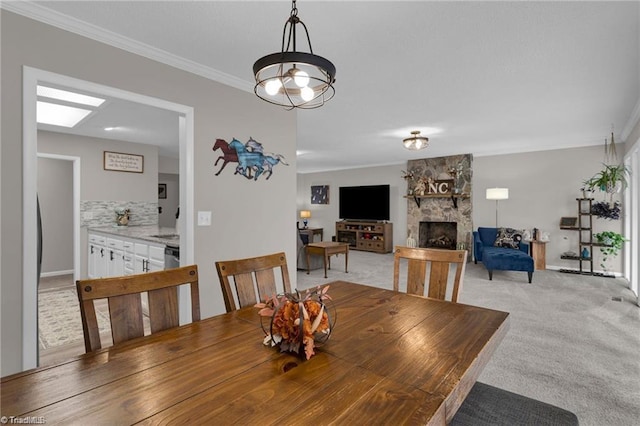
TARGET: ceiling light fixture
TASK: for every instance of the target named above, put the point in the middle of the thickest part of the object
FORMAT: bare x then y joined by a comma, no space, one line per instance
294,79
415,141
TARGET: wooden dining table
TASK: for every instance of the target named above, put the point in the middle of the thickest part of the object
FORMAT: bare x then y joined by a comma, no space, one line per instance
392,358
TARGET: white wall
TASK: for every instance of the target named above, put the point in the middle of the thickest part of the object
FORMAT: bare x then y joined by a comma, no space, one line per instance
249,217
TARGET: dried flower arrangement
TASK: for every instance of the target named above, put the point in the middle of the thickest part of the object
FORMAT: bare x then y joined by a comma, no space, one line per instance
297,320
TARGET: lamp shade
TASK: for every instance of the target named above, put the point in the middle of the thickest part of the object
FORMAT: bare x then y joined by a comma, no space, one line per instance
305,214
497,193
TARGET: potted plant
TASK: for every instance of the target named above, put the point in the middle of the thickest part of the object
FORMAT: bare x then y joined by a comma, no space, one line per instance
611,179
612,245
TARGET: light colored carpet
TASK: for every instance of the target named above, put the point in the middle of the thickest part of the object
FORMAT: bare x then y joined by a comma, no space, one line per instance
569,343
59,320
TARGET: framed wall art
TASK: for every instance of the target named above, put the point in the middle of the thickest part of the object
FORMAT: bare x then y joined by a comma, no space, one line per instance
320,194
121,162
162,190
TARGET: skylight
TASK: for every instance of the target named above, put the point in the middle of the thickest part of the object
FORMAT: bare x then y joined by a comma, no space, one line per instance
64,95
59,115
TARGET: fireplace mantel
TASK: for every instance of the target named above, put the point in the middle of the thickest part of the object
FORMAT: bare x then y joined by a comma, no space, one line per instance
454,198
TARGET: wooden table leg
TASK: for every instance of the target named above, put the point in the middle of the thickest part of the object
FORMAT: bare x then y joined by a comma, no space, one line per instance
325,260
306,250
346,260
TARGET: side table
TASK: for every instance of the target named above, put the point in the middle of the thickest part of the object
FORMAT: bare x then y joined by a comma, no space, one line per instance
326,249
539,254
311,232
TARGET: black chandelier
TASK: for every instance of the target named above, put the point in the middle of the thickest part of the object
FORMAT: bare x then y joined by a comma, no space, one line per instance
294,79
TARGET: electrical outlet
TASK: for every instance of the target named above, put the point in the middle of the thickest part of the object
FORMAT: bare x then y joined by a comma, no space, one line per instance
204,218
87,215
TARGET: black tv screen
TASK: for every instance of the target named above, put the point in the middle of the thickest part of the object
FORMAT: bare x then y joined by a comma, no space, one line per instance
364,202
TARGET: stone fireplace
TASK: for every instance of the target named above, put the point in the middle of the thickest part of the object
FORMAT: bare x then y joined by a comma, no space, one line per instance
440,235
441,210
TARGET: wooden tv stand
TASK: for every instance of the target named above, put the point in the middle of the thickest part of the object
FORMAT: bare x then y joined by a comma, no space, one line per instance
367,236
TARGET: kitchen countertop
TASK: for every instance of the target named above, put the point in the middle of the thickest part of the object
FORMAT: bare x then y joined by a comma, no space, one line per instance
146,233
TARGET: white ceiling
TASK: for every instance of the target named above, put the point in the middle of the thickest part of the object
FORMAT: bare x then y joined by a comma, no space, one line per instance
488,77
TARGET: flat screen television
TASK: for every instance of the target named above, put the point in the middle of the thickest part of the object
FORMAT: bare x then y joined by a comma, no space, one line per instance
364,202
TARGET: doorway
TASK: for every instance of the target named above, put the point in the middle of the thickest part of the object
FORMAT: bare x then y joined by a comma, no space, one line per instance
31,78
59,236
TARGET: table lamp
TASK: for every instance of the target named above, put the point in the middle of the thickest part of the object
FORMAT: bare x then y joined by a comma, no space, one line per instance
497,194
305,215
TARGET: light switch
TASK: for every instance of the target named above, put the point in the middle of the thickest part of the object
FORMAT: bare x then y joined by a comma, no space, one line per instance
204,218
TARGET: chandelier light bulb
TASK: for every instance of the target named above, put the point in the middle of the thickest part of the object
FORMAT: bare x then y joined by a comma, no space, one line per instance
273,86
306,93
301,78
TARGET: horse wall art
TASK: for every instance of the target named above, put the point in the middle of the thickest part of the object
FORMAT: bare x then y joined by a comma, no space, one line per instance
228,155
251,158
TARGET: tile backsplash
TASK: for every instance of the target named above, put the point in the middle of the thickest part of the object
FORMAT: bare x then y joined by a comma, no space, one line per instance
103,213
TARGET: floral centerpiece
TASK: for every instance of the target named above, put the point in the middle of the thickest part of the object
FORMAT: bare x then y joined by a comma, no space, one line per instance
297,320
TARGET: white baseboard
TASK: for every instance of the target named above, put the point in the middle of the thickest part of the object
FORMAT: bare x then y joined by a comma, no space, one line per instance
56,273
557,268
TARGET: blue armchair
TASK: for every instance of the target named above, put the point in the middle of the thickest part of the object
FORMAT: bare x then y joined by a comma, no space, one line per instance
500,258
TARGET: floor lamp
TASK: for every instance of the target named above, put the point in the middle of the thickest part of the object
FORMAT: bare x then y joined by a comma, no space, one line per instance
497,194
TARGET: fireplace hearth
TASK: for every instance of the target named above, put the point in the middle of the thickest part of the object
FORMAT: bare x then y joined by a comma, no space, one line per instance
440,235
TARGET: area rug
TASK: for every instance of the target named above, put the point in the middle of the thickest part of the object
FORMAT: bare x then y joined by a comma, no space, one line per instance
59,320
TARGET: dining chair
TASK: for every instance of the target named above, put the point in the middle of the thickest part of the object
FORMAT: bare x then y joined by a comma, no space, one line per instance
439,262
124,296
254,279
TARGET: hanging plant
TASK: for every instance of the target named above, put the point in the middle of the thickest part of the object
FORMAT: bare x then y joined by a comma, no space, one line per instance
605,210
612,245
611,179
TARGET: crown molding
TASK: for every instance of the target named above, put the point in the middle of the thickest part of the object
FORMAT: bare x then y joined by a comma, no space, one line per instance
67,23
631,123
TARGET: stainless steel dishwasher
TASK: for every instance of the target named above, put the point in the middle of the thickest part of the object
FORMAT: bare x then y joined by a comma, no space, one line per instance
171,257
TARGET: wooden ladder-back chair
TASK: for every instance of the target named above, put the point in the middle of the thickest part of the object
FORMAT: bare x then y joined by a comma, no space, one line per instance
125,303
440,262
243,272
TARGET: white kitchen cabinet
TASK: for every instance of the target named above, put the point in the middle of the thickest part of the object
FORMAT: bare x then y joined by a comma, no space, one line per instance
115,257
128,257
97,256
148,257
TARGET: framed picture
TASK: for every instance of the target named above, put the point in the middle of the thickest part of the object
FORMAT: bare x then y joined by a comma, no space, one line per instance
320,194
162,190
121,162
568,222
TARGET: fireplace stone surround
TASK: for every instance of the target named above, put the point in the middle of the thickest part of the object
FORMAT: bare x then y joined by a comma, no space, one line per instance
441,209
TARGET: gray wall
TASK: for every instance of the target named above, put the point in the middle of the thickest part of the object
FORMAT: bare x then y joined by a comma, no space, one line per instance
326,215
55,193
249,217
543,187
97,183
170,204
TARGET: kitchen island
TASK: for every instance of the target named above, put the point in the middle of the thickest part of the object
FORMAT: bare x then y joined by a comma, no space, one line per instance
125,250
